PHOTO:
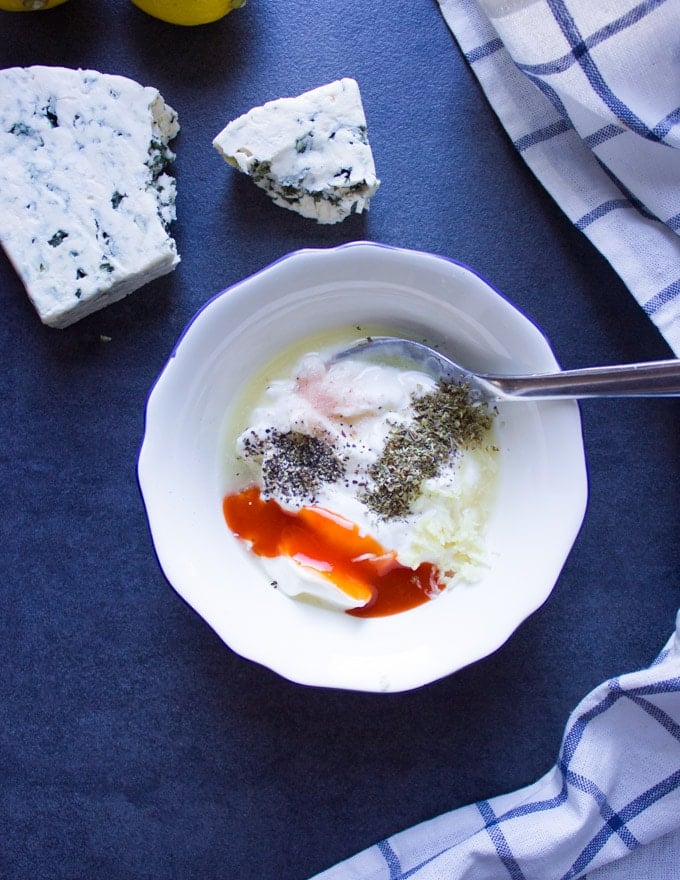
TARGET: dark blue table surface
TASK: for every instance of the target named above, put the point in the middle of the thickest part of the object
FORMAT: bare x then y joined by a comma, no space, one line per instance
133,743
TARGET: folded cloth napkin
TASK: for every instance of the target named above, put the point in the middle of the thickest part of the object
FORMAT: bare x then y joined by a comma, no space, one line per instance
615,786
589,93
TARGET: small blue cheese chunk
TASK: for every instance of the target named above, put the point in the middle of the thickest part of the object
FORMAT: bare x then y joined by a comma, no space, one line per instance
85,201
310,153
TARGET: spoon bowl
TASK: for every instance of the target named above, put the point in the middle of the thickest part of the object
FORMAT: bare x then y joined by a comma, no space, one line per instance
650,379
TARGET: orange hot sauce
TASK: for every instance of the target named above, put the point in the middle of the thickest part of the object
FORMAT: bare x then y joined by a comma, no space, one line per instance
333,548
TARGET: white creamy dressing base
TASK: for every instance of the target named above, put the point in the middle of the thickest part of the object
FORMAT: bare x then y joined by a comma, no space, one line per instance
353,405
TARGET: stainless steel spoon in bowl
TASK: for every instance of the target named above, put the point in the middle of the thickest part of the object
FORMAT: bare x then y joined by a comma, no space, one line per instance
651,379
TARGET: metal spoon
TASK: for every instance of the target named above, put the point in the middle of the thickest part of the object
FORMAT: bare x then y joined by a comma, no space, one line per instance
651,379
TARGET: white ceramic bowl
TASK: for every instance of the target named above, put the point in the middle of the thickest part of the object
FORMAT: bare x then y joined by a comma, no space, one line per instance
541,496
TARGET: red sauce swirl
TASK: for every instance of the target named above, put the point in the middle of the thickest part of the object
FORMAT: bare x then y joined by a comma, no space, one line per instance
334,548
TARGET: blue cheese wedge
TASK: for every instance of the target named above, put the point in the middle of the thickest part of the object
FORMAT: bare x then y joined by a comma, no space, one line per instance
310,153
85,200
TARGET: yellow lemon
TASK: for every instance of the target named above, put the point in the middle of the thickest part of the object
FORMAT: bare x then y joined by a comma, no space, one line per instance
188,11
29,5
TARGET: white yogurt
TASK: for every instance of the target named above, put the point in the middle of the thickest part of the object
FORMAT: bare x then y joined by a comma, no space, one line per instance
352,406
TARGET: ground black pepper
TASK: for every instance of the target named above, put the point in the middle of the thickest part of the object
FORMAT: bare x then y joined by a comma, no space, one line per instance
294,465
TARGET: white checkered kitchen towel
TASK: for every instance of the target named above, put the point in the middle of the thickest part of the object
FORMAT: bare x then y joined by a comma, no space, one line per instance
615,787
589,93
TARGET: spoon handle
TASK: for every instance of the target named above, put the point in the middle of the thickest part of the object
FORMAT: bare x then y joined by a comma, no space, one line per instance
653,379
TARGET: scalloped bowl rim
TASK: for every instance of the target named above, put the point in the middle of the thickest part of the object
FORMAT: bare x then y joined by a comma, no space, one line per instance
542,494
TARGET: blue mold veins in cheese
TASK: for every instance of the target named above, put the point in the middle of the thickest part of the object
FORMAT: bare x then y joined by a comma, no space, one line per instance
85,200
309,153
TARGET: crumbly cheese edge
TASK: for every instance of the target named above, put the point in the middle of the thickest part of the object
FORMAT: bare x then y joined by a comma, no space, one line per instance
163,126
327,204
